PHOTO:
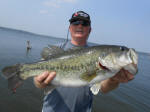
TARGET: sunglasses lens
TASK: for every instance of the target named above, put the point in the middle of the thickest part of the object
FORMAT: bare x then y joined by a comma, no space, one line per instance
83,23
75,22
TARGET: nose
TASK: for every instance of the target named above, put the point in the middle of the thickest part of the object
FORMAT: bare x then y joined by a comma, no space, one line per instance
80,25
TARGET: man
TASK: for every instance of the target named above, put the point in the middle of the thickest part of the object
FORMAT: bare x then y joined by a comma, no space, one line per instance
65,99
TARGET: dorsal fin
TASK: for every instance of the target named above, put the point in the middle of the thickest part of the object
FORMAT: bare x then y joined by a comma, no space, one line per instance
50,51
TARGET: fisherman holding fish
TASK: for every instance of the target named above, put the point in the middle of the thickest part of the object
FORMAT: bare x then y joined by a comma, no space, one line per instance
79,99
70,75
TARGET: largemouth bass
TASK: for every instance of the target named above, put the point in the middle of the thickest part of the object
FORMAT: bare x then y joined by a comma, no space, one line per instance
77,67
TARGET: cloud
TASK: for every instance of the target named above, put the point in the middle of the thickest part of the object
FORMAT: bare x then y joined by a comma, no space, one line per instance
52,3
70,1
57,3
43,11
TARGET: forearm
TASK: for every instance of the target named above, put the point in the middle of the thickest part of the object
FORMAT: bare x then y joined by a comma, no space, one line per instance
108,85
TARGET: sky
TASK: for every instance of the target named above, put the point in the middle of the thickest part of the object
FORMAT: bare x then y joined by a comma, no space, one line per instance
117,22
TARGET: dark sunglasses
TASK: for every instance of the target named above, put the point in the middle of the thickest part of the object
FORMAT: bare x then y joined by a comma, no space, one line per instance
83,23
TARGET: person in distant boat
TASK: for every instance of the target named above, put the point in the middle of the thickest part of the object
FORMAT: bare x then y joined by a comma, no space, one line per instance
28,45
65,99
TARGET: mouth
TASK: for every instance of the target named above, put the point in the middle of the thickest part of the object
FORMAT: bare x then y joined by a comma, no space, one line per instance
79,31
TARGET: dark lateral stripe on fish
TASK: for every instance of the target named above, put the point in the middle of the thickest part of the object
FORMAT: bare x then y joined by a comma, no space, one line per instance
62,67
56,67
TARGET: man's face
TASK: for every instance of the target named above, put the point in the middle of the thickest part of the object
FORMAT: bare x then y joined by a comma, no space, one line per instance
80,30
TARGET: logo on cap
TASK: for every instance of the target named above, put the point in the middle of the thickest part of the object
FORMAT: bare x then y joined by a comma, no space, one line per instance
80,14
76,14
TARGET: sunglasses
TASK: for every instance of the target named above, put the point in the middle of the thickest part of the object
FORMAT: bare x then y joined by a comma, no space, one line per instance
83,23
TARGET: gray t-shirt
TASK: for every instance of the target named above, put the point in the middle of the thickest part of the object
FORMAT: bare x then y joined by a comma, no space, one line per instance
67,99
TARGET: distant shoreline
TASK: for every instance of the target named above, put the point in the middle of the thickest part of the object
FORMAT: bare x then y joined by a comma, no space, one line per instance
52,37
28,32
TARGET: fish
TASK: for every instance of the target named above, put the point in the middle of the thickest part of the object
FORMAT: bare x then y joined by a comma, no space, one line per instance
76,67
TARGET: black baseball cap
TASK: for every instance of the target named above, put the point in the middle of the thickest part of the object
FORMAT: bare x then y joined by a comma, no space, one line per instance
80,15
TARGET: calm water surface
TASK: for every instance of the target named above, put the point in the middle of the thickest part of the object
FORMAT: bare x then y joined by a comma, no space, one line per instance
131,97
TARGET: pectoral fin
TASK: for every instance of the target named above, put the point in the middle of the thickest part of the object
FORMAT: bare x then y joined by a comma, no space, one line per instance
89,75
95,88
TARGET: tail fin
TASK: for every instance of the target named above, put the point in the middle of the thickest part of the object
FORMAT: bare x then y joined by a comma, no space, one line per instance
12,74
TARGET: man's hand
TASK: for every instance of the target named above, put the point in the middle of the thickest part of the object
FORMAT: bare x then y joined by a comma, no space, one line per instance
42,80
123,76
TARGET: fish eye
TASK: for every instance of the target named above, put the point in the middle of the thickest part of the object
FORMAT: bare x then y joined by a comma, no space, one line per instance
122,48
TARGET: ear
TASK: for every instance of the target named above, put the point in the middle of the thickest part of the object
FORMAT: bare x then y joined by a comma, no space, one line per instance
90,30
69,27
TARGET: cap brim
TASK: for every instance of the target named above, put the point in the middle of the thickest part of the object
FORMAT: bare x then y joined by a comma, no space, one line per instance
79,18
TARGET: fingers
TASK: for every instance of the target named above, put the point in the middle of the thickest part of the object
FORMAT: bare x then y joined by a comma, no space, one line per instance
128,75
50,77
120,77
42,77
41,81
123,76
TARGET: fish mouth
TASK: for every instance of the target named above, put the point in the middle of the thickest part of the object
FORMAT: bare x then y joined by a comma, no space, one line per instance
134,57
133,66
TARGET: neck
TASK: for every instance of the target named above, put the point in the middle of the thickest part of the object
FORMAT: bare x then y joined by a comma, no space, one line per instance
78,43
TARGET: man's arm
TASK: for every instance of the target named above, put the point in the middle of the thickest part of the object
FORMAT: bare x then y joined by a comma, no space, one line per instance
123,76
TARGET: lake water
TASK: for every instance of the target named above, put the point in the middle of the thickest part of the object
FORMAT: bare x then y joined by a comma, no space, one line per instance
131,97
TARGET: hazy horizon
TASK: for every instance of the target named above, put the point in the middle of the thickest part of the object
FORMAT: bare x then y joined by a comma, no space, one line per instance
49,36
